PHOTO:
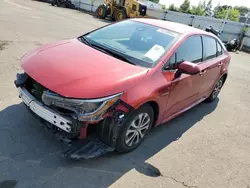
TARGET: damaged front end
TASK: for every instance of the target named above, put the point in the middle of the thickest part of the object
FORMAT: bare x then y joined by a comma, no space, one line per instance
69,119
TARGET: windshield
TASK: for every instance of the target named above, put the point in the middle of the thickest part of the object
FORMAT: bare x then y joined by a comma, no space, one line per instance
138,43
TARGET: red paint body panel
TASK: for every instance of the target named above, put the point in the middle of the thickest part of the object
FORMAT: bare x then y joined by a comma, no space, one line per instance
75,70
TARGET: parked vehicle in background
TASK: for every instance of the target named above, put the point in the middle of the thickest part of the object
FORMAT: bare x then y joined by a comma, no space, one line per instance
121,9
63,3
121,80
233,45
212,30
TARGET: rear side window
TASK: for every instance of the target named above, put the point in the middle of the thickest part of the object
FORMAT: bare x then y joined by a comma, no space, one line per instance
219,49
210,47
190,50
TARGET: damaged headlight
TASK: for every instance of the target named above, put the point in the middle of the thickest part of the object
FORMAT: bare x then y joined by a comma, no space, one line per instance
85,110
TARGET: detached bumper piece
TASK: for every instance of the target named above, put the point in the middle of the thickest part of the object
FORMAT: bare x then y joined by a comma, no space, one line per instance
44,112
87,149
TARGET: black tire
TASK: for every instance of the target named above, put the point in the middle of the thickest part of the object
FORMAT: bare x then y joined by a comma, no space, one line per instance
67,5
53,3
120,14
102,12
121,145
113,15
216,90
229,47
72,6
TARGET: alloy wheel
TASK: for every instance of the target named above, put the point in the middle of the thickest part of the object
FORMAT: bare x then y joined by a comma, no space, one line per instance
217,88
137,129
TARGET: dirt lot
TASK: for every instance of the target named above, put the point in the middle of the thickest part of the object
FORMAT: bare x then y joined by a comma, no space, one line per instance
208,146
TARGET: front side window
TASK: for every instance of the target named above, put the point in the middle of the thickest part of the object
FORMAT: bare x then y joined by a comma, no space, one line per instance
210,47
140,43
190,50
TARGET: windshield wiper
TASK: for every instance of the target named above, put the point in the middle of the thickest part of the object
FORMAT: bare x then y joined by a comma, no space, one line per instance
85,40
106,51
114,54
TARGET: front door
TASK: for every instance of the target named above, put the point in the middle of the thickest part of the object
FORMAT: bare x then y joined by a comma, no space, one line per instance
185,90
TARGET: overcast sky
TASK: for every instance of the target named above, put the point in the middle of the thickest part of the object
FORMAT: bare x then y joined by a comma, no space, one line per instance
215,2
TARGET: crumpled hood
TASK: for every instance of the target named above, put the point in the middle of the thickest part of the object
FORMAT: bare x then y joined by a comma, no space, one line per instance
73,69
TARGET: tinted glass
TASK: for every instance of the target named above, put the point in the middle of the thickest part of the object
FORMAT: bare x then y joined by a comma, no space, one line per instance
219,49
141,43
210,47
190,50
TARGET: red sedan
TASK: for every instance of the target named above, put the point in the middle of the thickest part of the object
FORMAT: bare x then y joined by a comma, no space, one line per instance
121,80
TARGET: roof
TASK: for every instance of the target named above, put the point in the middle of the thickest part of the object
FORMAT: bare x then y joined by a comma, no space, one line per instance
173,26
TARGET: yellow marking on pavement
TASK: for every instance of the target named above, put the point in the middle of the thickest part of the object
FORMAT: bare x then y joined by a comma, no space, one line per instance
17,5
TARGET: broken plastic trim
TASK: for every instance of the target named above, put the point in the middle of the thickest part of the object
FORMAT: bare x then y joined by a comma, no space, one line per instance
21,79
89,149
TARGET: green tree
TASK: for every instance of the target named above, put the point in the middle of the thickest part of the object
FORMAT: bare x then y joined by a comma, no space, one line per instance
243,10
209,9
234,14
173,8
192,10
163,7
155,1
199,10
185,6
204,4
217,9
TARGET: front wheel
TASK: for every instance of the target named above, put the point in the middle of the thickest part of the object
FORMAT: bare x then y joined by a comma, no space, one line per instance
216,90
135,129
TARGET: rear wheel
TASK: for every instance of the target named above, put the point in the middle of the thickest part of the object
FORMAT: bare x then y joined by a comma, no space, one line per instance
102,12
119,14
216,90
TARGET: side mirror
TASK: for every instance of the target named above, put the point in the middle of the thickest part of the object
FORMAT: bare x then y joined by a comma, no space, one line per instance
188,68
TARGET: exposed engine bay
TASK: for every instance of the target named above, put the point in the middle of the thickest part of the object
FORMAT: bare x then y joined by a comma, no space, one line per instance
88,127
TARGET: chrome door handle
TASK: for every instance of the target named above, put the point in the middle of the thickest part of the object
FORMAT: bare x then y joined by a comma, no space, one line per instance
221,63
202,72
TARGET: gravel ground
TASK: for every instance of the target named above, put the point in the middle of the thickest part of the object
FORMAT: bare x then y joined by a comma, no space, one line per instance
208,146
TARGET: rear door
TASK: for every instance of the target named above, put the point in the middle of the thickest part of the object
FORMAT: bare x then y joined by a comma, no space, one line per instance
213,61
185,90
